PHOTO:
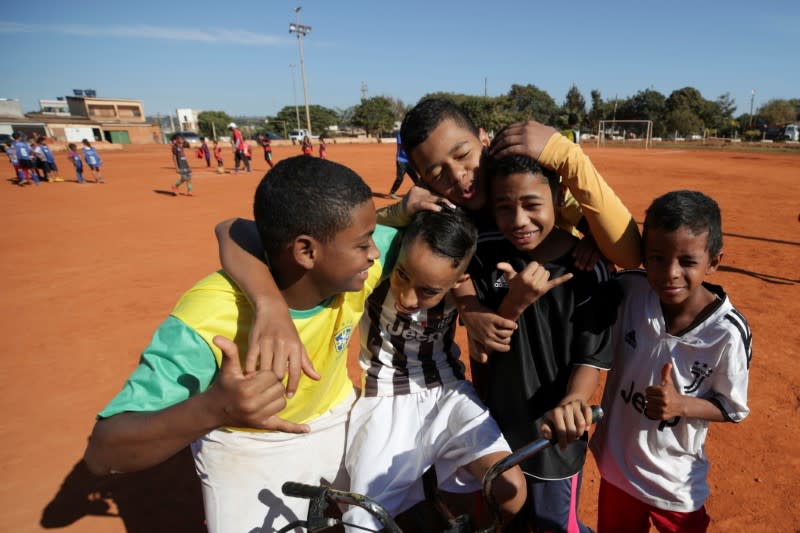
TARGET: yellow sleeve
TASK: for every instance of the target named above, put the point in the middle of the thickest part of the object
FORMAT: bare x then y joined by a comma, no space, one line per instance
611,224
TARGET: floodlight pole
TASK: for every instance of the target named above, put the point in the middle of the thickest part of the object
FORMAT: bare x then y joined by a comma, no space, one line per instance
301,31
294,96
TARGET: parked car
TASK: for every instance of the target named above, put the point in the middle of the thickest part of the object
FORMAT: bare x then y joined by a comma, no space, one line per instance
298,135
6,139
792,132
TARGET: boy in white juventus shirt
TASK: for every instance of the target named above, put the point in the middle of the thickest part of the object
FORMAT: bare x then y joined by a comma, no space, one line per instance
682,354
416,410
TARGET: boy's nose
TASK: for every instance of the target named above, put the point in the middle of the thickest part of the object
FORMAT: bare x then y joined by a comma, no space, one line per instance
408,298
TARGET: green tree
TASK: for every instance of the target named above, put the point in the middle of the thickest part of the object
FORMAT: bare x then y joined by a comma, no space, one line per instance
598,112
375,115
778,112
211,122
321,117
528,101
682,121
573,104
487,112
645,105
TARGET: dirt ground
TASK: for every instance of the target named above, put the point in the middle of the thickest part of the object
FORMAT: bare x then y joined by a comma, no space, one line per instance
91,270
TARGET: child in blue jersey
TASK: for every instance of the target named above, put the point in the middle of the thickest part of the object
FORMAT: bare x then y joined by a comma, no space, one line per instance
182,166
93,161
12,158
49,159
75,157
22,151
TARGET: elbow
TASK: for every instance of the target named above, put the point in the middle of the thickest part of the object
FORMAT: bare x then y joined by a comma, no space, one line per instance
223,228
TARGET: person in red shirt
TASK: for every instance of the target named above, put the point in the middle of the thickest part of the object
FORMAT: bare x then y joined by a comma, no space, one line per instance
323,150
237,141
266,144
307,147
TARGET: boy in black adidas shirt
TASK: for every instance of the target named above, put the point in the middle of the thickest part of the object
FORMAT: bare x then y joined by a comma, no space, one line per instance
542,387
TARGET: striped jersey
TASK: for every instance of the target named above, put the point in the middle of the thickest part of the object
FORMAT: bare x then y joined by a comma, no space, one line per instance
663,463
405,354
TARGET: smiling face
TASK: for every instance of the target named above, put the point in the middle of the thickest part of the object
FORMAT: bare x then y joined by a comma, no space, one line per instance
422,278
449,162
523,209
342,263
677,262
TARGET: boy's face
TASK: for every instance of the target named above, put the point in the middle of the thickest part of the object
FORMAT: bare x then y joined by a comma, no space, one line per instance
343,263
677,262
523,209
449,162
421,278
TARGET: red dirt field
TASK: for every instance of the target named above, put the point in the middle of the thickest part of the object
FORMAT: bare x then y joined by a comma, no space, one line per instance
91,270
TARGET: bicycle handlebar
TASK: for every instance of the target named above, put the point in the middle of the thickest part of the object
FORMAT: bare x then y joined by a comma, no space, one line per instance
516,458
319,495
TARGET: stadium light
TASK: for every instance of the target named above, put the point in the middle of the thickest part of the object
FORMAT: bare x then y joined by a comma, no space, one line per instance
301,31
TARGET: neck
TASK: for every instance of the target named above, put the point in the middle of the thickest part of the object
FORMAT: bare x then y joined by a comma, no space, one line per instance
298,288
557,243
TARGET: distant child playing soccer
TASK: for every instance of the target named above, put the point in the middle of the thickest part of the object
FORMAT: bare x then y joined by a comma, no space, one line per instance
307,148
205,152
323,148
218,157
182,166
266,144
25,160
75,157
49,158
12,158
682,355
93,161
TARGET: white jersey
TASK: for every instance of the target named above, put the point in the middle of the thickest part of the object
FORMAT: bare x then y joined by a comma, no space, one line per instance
405,354
663,463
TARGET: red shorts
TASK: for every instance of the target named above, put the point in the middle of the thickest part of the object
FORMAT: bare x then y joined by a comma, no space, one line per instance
619,512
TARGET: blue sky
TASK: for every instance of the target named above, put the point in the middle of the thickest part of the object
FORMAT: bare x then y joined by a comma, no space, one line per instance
235,56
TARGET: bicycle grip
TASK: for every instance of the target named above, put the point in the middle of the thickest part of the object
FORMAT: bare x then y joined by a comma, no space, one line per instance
301,490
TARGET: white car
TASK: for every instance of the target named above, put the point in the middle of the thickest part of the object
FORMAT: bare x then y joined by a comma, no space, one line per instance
298,135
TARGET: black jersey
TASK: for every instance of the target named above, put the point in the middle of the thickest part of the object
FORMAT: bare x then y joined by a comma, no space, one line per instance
566,327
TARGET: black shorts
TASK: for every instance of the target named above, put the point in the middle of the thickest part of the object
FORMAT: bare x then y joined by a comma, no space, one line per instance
26,164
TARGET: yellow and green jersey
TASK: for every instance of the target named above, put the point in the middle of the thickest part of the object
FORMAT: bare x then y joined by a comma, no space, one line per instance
181,359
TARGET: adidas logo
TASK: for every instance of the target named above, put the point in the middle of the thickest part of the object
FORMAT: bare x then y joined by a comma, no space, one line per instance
630,338
501,282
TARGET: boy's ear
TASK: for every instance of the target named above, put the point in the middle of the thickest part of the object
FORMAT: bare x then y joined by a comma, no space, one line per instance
304,251
484,137
714,263
463,278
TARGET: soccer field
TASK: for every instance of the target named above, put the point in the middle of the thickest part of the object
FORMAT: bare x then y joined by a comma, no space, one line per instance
89,272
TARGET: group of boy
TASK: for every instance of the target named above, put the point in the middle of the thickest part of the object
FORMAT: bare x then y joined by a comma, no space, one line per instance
676,350
33,161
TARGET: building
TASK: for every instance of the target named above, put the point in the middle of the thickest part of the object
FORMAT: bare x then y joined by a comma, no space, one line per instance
188,119
13,119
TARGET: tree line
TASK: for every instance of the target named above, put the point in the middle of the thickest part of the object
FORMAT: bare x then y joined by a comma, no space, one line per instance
684,112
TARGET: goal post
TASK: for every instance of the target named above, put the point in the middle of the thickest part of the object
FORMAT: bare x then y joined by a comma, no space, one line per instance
625,132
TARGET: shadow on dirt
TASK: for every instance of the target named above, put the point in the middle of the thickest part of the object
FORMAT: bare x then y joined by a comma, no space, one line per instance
768,278
165,498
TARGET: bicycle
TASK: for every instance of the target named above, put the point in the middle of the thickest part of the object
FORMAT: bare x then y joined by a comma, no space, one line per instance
321,497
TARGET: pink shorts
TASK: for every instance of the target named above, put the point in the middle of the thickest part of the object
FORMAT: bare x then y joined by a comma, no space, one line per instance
619,512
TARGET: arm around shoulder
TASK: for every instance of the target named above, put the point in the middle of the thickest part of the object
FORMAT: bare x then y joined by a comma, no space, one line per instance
611,224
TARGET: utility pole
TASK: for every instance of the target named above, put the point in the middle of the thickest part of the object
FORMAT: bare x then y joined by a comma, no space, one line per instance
752,99
364,91
294,94
301,31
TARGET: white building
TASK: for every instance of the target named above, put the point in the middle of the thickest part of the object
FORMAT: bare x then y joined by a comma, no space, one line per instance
187,119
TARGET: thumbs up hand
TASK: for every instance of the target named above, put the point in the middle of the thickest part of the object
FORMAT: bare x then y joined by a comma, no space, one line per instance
663,401
248,400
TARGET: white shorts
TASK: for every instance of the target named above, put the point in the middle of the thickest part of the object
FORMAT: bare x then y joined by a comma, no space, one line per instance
241,472
393,440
